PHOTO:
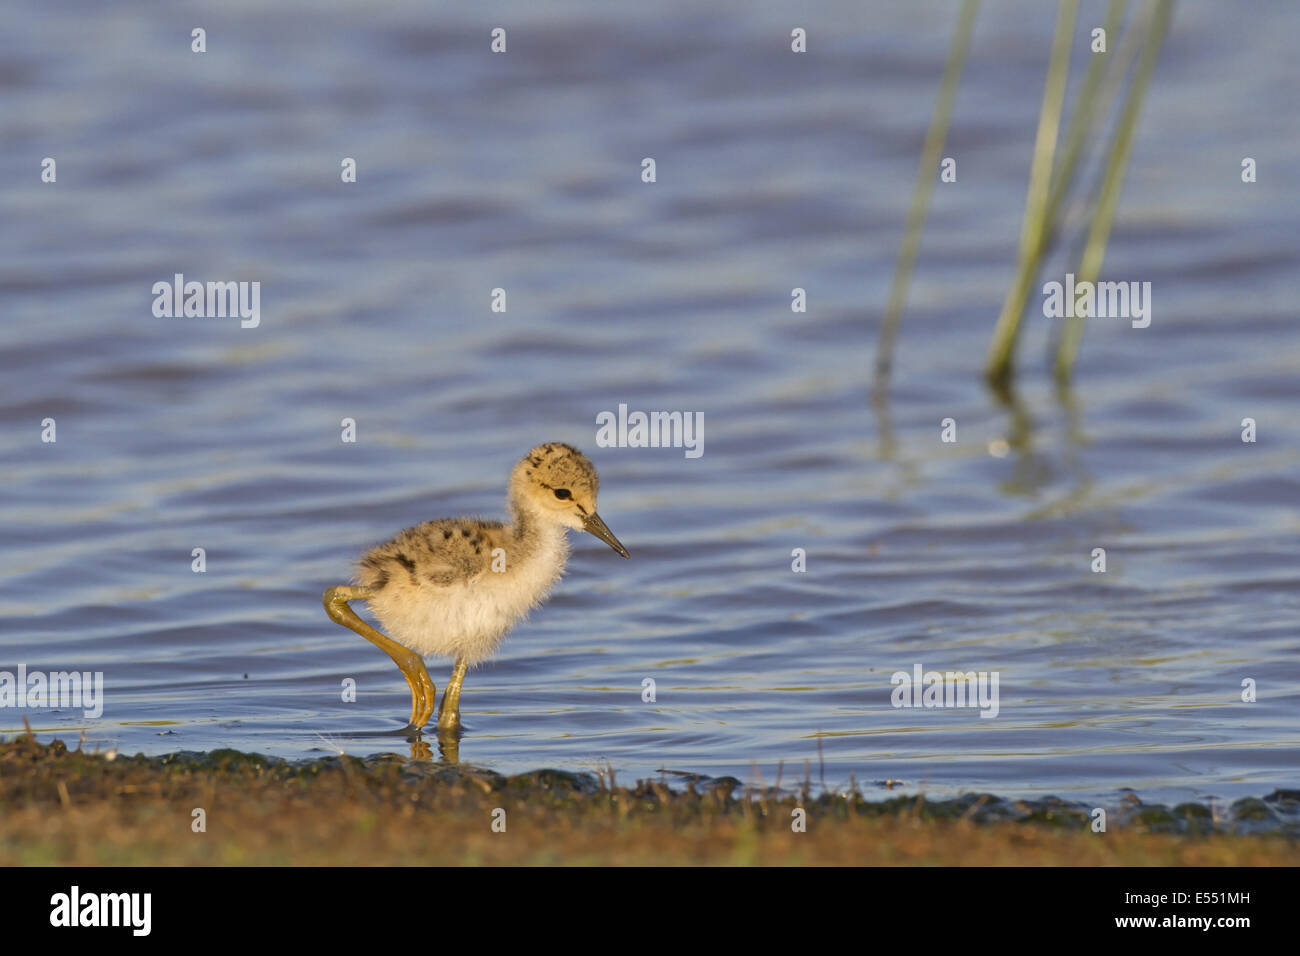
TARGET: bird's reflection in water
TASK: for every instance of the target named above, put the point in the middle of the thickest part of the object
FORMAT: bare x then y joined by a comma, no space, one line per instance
448,748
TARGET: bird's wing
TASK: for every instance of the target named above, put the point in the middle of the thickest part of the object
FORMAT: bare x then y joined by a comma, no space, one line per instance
438,554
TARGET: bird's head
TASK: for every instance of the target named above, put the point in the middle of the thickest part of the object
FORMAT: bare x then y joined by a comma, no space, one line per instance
556,483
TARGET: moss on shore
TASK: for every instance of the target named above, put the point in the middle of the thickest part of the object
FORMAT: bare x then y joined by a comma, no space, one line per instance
68,807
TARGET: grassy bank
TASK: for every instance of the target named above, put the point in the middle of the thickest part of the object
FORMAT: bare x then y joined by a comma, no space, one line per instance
68,807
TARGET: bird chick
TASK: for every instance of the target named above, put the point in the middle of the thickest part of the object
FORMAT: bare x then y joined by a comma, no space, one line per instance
454,587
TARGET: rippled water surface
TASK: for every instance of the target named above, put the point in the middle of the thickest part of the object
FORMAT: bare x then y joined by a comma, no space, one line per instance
522,172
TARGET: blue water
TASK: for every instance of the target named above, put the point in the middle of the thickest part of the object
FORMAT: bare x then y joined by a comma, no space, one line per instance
774,171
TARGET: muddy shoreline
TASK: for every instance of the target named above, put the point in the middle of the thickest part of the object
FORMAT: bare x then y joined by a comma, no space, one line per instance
66,806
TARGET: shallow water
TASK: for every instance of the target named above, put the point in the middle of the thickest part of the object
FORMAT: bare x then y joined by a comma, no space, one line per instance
523,172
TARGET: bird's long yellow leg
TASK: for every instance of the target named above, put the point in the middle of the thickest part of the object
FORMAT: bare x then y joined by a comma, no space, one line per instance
423,692
449,715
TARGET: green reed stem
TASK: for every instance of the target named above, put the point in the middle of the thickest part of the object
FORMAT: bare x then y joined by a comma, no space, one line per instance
1001,355
1082,120
1094,252
927,172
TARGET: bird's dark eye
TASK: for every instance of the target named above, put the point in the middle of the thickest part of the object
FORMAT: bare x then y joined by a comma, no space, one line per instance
563,494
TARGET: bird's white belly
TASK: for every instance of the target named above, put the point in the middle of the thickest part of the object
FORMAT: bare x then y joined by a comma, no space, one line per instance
470,618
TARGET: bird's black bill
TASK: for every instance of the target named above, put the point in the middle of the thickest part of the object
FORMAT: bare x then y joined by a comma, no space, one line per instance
593,525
